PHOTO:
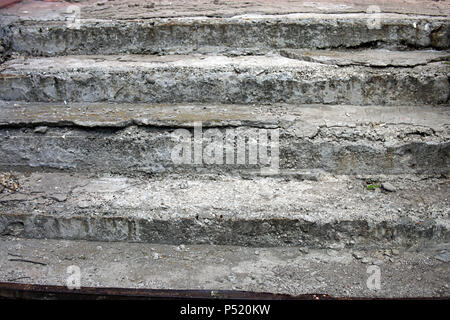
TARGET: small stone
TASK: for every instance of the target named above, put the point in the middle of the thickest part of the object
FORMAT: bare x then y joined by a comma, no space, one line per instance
365,260
83,204
155,256
59,197
388,187
304,250
336,246
41,129
444,257
332,252
149,6
395,252
377,262
320,279
183,185
256,252
357,255
180,247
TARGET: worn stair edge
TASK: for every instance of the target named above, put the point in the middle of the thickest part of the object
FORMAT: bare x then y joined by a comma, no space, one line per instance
32,10
260,33
272,115
378,58
138,137
218,79
260,211
413,272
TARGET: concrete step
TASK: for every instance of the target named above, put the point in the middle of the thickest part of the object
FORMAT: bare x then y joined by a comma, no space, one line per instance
377,58
284,140
415,272
132,9
221,79
237,35
335,212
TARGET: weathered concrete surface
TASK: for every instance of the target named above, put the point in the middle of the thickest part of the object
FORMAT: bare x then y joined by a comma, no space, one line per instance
121,115
335,212
129,137
414,272
244,79
254,34
135,9
381,58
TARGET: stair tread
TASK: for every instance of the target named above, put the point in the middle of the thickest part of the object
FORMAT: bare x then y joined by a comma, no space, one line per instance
125,138
211,61
286,270
368,57
323,201
225,8
15,113
50,34
268,211
118,62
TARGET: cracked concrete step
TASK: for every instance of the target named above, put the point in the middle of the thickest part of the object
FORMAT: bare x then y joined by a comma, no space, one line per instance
313,139
414,272
248,33
132,10
380,58
335,212
221,79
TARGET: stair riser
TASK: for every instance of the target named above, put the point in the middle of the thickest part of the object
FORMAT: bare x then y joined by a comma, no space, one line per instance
267,232
315,84
187,35
340,151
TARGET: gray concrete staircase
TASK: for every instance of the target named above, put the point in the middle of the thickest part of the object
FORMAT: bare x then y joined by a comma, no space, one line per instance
360,107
